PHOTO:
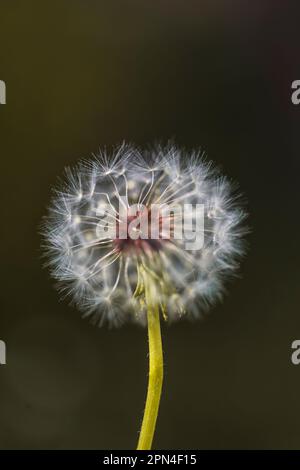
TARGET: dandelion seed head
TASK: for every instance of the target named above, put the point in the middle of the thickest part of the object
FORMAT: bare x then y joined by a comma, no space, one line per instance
99,268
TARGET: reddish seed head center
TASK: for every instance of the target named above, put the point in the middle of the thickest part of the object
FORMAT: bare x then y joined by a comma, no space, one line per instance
134,233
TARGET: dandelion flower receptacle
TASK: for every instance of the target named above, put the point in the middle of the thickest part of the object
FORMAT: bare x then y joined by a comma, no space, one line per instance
144,236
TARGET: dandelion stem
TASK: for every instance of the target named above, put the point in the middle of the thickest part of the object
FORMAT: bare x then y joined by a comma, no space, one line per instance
155,366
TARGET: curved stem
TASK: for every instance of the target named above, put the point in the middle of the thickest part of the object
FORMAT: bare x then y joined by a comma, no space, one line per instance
155,368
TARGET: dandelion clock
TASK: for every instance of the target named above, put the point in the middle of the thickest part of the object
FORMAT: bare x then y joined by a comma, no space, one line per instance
144,237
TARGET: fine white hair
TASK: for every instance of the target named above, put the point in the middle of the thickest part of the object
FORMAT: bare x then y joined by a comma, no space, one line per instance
101,275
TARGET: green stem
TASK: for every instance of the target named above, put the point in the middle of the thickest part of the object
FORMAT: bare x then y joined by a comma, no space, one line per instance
155,367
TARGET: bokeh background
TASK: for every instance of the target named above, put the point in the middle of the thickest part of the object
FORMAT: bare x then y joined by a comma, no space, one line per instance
211,73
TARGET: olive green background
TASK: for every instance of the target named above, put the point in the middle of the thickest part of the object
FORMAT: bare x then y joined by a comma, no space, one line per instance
214,74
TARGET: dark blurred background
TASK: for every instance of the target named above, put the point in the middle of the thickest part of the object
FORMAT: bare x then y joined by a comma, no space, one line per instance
211,73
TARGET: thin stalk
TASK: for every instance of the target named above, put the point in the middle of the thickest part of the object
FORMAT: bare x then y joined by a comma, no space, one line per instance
155,367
